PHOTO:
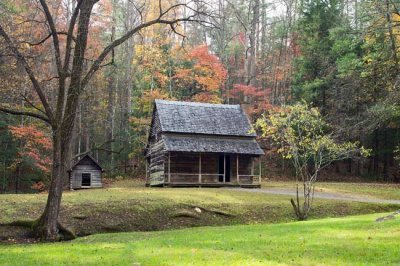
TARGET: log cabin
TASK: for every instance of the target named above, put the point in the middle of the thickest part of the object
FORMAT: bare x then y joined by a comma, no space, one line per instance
85,173
201,144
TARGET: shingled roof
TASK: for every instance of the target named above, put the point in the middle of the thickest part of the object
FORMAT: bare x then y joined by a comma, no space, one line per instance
211,144
203,118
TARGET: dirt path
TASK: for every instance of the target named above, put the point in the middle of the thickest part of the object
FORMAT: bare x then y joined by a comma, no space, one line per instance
320,195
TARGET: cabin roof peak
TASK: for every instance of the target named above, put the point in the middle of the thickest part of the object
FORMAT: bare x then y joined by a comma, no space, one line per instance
198,104
84,160
203,118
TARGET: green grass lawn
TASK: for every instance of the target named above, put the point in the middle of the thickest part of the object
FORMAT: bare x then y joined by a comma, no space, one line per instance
372,190
357,240
129,206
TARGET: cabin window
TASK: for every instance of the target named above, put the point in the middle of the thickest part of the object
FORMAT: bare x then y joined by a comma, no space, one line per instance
86,180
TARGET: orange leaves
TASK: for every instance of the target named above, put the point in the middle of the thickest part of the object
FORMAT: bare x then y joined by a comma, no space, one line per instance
148,98
207,98
212,73
204,74
168,71
246,90
32,135
34,146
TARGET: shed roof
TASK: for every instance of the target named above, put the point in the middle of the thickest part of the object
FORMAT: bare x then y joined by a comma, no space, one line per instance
87,160
203,118
211,144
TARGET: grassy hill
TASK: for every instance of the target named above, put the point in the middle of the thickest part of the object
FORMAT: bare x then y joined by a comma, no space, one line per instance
129,206
357,240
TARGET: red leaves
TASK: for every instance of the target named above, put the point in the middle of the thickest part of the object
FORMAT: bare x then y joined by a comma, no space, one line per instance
39,186
207,61
34,146
246,90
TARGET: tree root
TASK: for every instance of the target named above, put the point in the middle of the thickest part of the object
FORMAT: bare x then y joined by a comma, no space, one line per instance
185,214
21,223
222,213
300,216
64,234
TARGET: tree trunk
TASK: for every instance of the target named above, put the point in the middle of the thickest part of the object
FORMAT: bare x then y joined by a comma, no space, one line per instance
110,119
391,34
109,134
47,225
251,67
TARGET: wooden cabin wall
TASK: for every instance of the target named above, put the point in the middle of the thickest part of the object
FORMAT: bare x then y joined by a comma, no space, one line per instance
76,178
233,168
184,163
209,163
189,163
245,164
155,130
156,153
157,163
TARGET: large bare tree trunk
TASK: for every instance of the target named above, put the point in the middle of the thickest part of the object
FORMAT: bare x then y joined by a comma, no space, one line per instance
72,79
47,225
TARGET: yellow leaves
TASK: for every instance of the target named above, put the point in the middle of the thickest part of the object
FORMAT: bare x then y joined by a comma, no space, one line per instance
207,98
148,98
365,152
300,134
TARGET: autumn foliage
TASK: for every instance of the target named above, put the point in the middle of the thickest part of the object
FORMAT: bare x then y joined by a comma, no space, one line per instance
204,75
34,148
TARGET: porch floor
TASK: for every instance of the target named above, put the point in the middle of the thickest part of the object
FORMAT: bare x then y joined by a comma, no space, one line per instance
212,185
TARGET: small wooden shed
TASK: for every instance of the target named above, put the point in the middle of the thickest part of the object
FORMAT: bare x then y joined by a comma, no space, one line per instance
85,173
201,144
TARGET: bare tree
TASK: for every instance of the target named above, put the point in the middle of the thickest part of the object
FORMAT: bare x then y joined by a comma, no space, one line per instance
72,79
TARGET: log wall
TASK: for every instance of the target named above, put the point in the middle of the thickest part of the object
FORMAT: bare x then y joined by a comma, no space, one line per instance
157,160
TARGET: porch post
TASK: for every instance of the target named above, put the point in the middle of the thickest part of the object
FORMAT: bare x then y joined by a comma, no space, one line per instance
169,167
224,168
252,169
252,165
147,177
200,168
259,163
237,168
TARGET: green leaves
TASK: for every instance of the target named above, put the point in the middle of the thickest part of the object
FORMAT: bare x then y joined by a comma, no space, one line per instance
300,134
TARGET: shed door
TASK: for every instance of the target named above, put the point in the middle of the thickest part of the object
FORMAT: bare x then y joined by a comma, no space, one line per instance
86,179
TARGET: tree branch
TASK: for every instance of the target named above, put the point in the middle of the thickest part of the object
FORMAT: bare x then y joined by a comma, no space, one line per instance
25,113
30,73
53,32
97,63
70,34
45,39
31,104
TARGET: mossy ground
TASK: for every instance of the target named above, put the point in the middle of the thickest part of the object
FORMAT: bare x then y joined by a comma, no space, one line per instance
129,206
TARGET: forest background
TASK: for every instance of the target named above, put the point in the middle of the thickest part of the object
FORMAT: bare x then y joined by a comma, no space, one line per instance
338,55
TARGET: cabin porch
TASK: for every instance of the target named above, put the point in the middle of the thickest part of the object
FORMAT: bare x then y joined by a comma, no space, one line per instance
211,170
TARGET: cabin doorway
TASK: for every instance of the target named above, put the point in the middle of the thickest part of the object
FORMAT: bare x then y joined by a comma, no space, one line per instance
224,166
86,180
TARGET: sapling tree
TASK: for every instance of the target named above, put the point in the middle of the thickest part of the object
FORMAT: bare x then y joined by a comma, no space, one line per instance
302,136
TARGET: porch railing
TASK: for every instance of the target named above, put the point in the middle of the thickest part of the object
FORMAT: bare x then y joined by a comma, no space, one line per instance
249,179
190,178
